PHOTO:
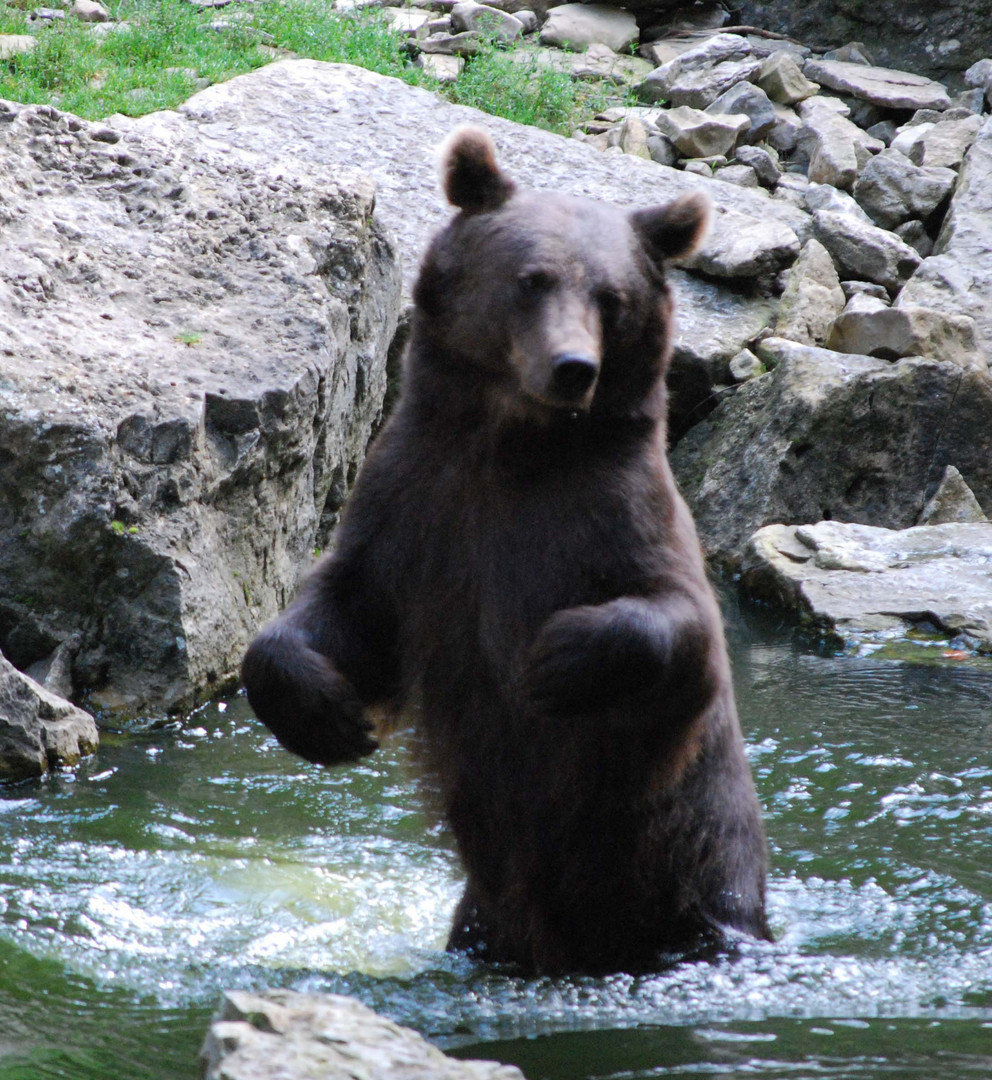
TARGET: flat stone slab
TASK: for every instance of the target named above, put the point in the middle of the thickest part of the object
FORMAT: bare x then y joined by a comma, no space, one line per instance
884,87
869,584
281,1035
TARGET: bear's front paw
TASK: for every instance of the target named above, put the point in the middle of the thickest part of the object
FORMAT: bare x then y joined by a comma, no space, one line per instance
586,659
310,707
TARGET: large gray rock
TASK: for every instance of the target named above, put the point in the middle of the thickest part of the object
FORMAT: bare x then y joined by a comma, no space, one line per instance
870,584
281,1035
865,251
702,134
812,298
907,330
879,86
194,344
836,148
892,190
38,729
699,74
576,26
944,144
957,277
831,435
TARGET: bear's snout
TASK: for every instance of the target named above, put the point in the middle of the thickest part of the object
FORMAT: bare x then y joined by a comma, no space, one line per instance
572,377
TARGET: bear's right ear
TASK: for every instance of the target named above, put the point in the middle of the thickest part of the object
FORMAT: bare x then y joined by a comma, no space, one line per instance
471,178
676,230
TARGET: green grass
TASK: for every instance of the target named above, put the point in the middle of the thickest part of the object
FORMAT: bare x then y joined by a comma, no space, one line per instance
167,49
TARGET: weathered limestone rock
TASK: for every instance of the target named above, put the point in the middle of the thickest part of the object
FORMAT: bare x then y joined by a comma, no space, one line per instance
880,86
38,729
701,134
812,298
698,75
739,175
444,68
764,164
957,278
89,11
907,330
952,501
12,45
192,359
865,251
915,234
745,365
891,189
601,62
574,26
832,435
744,248
836,147
281,1035
746,98
469,16
467,43
827,197
944,144
870,584
782,80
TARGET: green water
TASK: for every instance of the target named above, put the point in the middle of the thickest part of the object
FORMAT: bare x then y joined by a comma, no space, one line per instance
200,856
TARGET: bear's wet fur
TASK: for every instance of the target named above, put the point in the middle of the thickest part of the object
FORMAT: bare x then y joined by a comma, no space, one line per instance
515,557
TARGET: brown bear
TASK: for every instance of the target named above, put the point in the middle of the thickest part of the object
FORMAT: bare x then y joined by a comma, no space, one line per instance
515,557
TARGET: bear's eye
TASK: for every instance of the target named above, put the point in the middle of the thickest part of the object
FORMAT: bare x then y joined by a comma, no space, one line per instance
534,280
610,303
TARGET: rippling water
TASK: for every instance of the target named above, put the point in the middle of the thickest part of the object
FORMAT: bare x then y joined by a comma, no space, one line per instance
200,856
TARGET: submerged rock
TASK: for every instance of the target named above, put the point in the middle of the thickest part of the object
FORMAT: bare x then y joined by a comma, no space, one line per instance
864,583
281,1035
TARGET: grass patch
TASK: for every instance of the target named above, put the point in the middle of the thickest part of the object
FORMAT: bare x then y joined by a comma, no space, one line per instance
167,49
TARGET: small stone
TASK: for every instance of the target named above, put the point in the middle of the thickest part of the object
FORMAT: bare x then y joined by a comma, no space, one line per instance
854,52
885,131
89,11
663,150
444,68
466,44
944,145
765,166
741,175
785,135
864,288
915,234
528,20
979,75
972,101
745,365
783,81
634,137
825,197
952,501
695,165
407,20
701,134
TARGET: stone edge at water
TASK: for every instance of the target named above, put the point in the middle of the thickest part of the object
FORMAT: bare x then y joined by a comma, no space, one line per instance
282,1035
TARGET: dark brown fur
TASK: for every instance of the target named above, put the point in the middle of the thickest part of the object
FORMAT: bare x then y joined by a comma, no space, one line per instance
516,554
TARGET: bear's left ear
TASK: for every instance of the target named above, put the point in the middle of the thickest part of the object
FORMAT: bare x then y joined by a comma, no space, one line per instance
471,178
673,231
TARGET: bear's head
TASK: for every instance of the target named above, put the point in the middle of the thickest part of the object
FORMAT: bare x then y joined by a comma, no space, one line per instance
548,302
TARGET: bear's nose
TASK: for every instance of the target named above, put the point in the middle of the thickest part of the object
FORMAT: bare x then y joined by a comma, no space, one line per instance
572,374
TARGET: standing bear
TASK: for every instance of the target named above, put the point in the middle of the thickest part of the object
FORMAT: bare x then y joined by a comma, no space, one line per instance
516,559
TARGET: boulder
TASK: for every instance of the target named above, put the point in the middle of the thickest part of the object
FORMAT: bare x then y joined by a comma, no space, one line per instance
812,298
908,330
700,73
884,87
467,16
38,729
782,80
765,164
944,144
865,251
892,190
702,134
282,1035
744,248
746,98
957,277
827,435
193,348
12,45
869,585
837,148
575,26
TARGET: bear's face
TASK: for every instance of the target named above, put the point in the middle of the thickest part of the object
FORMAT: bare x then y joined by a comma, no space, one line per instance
558,302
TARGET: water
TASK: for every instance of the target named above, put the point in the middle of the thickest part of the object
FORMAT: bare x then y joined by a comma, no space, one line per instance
200,856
